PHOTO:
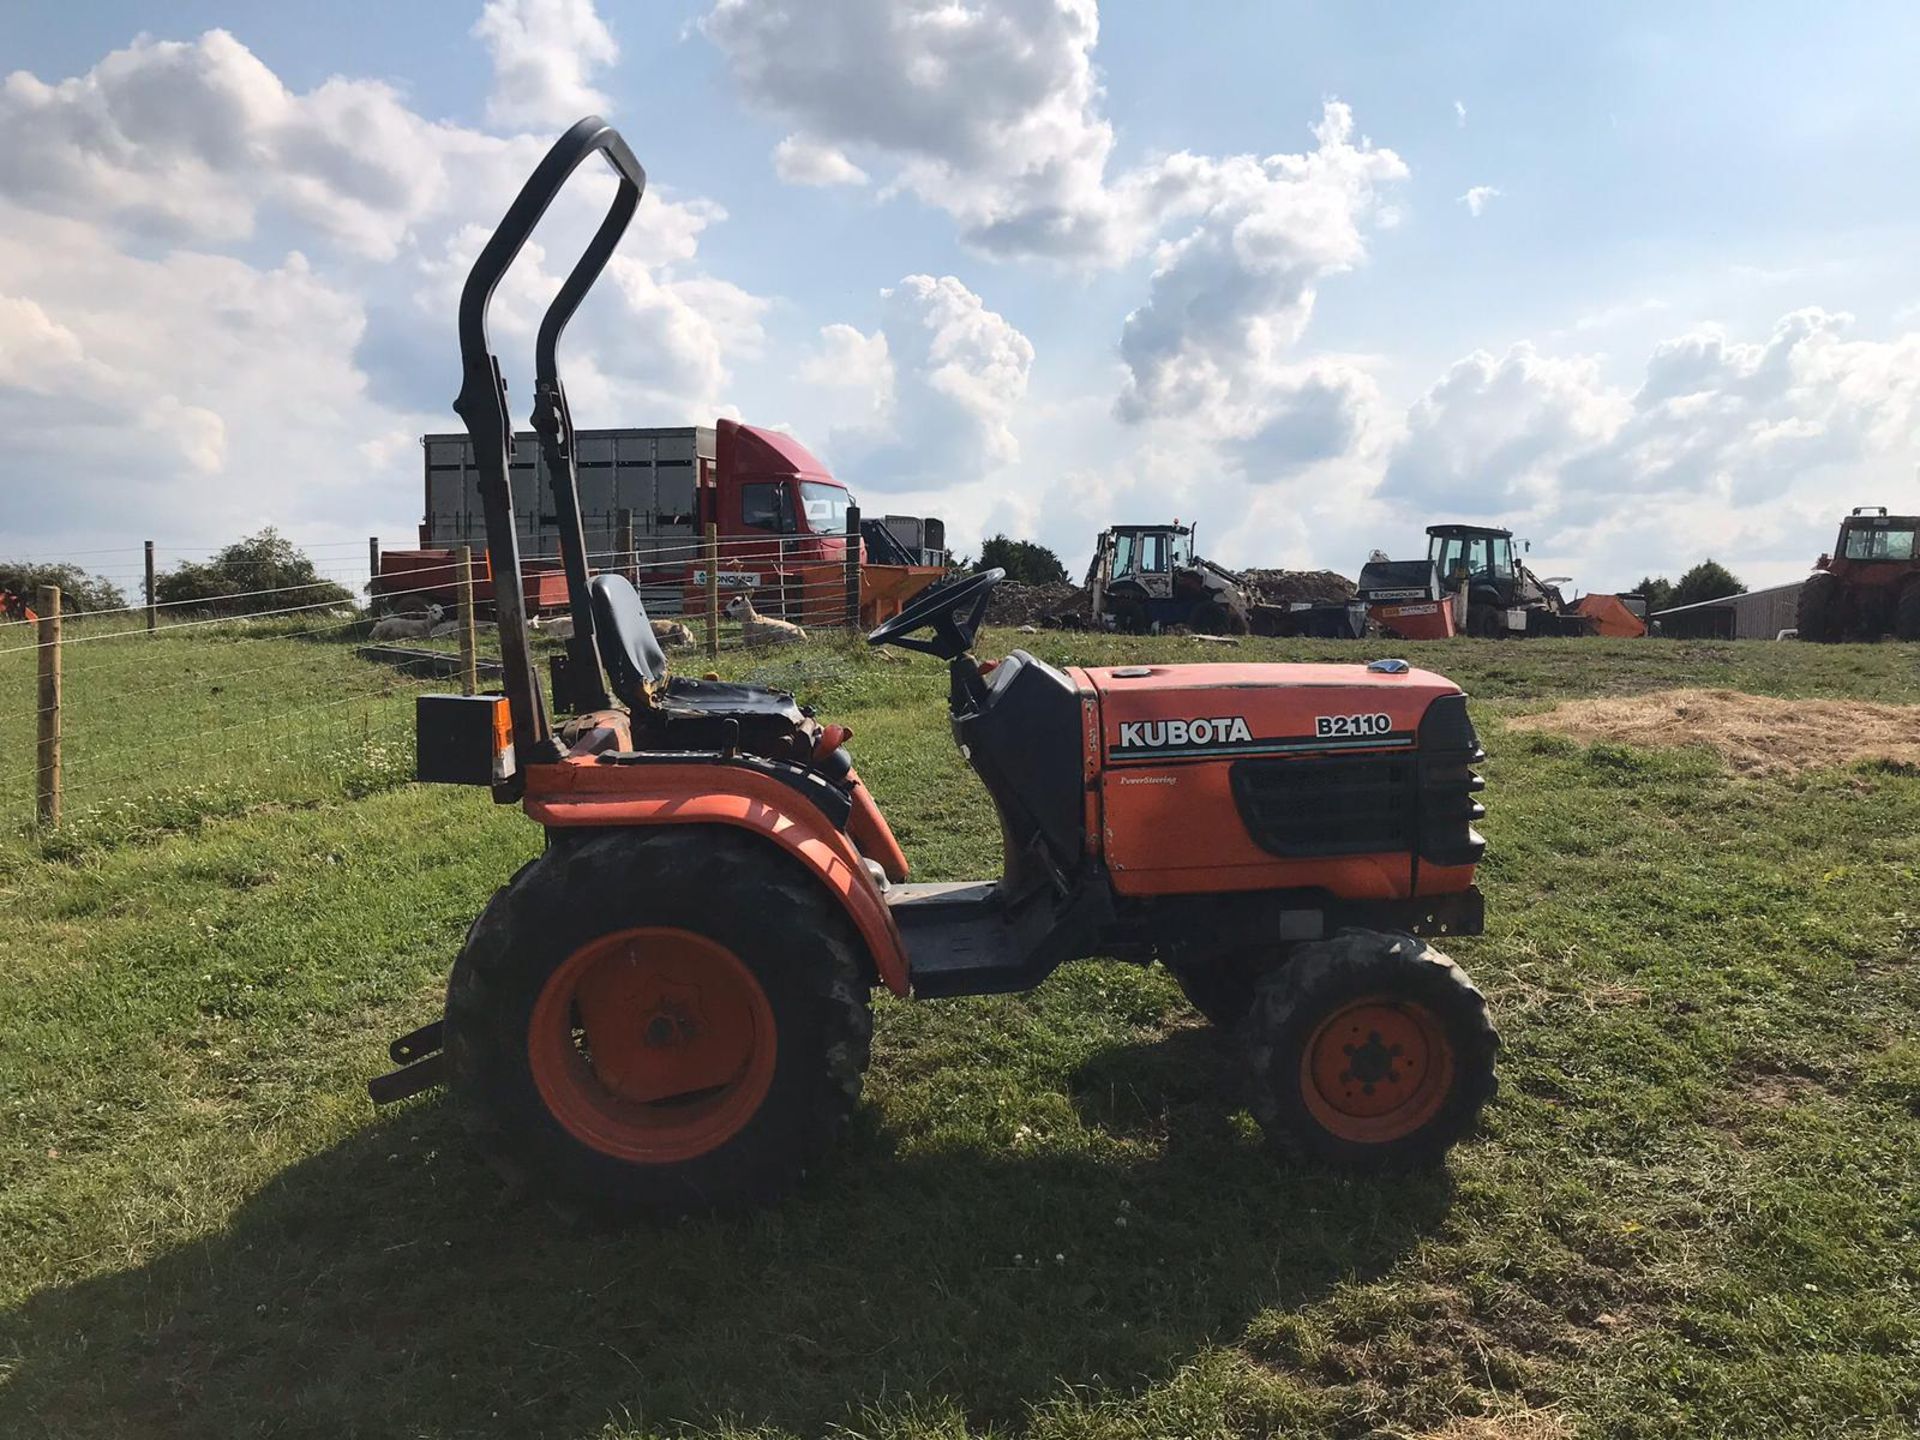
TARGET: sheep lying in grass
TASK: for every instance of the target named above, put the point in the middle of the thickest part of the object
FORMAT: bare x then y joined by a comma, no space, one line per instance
670,633
758,629
407,627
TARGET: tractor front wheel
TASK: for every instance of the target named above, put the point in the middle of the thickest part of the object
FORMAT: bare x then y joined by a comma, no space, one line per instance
1370,1051
1813,617
1906,612
657,1022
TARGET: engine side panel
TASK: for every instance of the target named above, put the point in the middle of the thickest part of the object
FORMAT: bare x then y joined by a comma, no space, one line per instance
1254,777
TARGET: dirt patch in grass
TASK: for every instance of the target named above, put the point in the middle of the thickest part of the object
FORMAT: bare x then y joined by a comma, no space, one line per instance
1782,1090
1757,735
1525,1425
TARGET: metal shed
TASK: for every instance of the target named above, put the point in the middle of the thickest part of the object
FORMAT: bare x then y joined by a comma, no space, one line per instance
1756,615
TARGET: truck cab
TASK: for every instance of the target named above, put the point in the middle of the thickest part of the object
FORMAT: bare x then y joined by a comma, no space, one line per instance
766,493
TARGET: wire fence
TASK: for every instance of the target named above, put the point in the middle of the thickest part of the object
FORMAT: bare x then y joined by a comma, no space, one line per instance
158,713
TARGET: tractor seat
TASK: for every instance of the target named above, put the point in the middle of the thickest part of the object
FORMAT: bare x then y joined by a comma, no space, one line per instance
637,667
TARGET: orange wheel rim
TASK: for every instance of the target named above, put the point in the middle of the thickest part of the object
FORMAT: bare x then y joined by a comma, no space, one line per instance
652,1045
1377,1069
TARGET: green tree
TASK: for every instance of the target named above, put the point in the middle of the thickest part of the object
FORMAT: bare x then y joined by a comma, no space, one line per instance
260,573
79,591
1657,592
1025,561
1709,580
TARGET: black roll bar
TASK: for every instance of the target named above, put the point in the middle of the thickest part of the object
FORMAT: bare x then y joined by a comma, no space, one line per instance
482,404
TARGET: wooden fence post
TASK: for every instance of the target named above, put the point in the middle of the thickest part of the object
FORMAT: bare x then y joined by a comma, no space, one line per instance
853,567
713,592
623,542
47,777
469,641
153,616
373,566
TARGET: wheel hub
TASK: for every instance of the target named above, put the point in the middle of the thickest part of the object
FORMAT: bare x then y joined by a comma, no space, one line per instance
1376,1069
652,1044
675,1019
1371,1062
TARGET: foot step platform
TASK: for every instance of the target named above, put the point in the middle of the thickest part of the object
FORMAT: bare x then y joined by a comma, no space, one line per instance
968,939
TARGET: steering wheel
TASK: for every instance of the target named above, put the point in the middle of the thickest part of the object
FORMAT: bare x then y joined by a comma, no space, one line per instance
954,610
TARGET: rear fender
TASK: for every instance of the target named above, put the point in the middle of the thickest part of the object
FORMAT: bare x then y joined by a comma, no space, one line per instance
576,793
870,831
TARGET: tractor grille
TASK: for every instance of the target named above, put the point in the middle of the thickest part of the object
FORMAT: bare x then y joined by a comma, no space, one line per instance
1449,750
1400,802
1353,805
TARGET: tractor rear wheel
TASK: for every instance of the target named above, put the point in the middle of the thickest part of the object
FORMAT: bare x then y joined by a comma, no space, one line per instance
1486,622
657,1022
1906,613
1813,616
1370,1051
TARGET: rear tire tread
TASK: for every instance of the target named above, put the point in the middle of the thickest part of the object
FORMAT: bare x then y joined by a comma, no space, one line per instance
490,990
1906,613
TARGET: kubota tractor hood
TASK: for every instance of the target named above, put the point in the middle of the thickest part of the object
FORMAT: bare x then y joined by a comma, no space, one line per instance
1156,713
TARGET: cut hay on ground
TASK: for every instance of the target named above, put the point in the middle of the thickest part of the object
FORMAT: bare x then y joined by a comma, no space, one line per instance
1755,734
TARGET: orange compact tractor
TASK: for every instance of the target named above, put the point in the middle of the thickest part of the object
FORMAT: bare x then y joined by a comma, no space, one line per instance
668,1010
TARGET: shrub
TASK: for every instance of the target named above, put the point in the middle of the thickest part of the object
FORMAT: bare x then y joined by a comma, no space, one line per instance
1026,561
260,573
79,591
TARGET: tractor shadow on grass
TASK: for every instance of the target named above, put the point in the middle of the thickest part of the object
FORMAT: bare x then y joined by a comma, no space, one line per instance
387,1286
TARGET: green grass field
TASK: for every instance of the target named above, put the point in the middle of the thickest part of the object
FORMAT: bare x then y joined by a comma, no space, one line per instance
1695,1209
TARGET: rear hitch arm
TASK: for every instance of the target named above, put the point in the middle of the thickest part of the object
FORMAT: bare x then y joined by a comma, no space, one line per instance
423,1064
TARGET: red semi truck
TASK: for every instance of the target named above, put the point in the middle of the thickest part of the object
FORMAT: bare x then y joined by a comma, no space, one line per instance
646,498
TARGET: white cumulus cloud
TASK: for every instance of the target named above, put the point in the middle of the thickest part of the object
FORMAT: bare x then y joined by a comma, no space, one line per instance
1230,297
931,397
176,140
1478,197
545,53
225,297
1493,433
995,114
1726,444
990,112
800,161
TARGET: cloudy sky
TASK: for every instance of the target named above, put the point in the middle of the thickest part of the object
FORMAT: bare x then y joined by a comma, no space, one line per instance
1635,279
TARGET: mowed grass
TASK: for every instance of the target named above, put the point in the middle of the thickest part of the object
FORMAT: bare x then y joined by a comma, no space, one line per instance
1695,1209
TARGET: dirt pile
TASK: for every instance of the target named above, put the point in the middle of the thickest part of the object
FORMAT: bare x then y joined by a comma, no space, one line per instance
1071,606
1287,587
1756,735
1044,605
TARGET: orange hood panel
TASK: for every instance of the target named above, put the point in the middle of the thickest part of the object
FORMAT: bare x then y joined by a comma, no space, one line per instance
1168,819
